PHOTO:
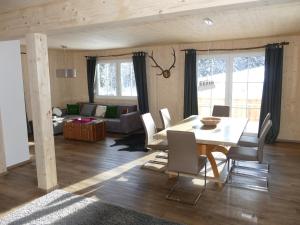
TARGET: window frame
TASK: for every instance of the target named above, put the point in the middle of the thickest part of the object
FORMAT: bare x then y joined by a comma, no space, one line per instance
229,59
215,55
118,80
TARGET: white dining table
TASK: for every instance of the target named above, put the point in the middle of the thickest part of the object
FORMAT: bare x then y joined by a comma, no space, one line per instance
210,139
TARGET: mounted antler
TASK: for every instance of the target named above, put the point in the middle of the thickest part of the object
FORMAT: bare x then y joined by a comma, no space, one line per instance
166,73
174,55
156,64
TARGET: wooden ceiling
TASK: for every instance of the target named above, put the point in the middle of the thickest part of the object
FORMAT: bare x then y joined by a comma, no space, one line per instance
231,24
10,5
265,18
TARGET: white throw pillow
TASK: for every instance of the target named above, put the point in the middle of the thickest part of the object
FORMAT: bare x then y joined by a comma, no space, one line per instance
56,111
100,111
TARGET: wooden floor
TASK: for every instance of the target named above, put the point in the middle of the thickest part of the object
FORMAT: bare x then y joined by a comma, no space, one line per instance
100,171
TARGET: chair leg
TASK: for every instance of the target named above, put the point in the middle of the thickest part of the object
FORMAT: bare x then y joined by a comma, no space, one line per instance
162,155
251,187
194,202
247,186
228,165
154,161
263,170
172,189
249,175
205,176
229,170
157,162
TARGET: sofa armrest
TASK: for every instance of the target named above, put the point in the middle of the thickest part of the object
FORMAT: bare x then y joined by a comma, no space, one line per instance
131,122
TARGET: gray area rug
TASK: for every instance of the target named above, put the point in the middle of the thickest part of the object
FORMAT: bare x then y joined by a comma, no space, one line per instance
61,207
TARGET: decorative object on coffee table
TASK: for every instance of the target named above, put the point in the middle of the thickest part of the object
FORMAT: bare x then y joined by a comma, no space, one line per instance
85,129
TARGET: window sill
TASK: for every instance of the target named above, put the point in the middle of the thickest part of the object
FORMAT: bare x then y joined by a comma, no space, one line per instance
116,97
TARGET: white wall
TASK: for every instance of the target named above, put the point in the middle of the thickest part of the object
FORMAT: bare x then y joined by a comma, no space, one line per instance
12,104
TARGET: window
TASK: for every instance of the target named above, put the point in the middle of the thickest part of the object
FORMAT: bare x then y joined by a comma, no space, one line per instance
211,69
238,82
115,78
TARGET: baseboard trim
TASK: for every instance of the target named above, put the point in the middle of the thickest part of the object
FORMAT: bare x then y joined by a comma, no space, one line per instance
3,173
20,164
288,141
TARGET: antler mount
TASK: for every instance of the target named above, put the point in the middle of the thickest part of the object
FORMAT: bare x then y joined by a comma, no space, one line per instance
166,73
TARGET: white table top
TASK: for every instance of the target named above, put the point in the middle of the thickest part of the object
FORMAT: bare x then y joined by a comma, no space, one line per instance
227,132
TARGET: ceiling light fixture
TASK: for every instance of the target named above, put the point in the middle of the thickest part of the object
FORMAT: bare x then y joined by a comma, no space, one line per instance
208,21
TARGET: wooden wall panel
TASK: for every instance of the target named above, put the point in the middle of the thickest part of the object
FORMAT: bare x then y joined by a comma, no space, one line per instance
169,92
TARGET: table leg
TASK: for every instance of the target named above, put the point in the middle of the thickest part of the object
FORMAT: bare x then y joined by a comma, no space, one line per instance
213,164
219,148
207,150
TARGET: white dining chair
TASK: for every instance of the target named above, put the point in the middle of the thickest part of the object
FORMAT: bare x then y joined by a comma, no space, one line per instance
165,118
252,141
184,160
221,111
248,154
150,142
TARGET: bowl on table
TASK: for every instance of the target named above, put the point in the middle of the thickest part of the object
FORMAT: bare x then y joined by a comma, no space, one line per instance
210,121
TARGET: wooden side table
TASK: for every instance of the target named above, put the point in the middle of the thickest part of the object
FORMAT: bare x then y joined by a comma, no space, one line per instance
93,131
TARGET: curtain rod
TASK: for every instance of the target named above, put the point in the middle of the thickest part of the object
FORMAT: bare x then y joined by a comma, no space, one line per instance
115,55
235,49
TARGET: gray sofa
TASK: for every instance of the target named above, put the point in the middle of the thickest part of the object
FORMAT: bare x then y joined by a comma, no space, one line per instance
124,123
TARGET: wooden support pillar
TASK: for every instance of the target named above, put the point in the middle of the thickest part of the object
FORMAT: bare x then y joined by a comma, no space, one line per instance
2,151
38,67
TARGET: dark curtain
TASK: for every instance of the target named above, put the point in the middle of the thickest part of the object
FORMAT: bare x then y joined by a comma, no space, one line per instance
139,64
91,68
271,97
190,84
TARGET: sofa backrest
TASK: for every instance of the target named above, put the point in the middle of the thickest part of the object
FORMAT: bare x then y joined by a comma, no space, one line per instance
87,109
126,109
121,108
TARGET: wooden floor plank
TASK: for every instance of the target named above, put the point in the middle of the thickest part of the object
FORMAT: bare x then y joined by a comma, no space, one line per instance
99,171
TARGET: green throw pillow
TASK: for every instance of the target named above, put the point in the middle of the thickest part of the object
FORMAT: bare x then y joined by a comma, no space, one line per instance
111,112
73,109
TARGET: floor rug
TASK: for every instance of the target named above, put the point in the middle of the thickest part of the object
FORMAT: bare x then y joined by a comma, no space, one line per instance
131,143
62,208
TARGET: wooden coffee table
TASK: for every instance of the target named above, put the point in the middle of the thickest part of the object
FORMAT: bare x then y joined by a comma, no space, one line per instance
86,129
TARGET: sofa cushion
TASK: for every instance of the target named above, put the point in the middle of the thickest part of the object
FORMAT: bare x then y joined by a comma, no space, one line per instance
56,111
73,109
100,110
87,109
132,108
124,111
111,111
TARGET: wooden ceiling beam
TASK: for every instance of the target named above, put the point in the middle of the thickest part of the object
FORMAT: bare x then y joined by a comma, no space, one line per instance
60,15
